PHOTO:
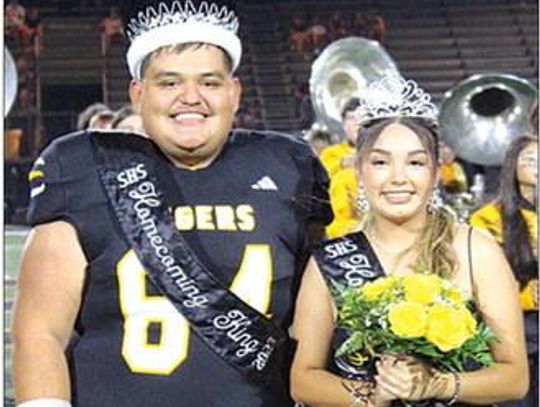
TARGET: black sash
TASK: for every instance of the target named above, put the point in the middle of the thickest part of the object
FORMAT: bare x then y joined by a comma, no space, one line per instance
132,171
348,261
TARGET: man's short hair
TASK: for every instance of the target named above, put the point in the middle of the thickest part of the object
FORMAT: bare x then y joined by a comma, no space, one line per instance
351,105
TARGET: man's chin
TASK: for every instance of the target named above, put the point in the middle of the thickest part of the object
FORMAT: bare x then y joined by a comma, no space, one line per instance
189,145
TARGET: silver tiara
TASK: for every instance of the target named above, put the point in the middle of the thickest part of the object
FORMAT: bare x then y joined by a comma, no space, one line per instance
393,96
181,13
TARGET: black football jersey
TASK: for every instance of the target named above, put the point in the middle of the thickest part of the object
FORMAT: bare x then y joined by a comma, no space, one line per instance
245,217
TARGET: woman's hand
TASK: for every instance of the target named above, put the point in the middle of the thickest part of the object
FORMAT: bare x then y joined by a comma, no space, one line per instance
407,378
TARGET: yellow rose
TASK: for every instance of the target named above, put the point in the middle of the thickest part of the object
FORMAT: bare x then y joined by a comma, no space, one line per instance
408,319
373,289
470,321
422,288
454,295
449,327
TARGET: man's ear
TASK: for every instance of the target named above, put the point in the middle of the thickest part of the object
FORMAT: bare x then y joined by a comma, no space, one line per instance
237,89
135,94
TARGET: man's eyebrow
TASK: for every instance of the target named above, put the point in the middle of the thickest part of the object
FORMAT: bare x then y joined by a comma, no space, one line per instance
213,74
168,74
165,74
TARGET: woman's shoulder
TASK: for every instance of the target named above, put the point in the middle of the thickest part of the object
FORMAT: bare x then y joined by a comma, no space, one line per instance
477,237
481,260
476,248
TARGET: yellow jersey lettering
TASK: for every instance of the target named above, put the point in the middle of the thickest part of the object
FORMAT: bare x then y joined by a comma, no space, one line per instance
219,217
225,219
184,218
246,218
203,217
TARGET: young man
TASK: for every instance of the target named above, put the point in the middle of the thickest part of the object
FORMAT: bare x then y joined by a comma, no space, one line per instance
339,160
340,156
174,259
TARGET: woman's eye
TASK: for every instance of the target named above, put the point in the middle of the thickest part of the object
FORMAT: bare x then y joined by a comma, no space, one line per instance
379,162
417,163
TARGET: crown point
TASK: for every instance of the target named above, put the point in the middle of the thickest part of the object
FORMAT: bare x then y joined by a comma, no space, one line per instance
172,22
393,96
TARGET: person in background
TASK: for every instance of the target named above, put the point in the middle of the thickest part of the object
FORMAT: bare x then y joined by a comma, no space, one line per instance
127,119
376,27
512,219
298,40
112,27
32,28
318,139
101,120
337,27
359,24
175,257
95,116
339,160
14,14
405,230
317,35
339,156
343,199
453,177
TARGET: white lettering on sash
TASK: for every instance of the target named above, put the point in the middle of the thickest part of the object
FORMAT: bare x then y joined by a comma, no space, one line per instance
145,197
355,266
236,323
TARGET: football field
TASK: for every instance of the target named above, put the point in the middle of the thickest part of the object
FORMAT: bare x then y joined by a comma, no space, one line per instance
14,238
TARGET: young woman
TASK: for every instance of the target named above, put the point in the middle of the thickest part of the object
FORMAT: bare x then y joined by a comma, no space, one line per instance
512,219
405,229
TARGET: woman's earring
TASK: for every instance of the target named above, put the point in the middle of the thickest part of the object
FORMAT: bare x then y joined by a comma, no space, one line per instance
435,202
362,203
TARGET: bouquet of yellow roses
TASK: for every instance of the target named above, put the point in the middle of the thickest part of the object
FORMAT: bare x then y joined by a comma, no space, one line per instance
421,314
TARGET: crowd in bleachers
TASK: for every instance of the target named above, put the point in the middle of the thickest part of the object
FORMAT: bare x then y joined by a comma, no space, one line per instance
312,34
22,27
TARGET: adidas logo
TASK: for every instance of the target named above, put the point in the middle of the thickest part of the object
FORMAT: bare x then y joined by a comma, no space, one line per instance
266,184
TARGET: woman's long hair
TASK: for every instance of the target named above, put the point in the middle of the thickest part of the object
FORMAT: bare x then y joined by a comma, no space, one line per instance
515,232
434,248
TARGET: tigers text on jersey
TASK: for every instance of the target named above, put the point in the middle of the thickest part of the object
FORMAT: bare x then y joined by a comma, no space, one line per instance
245,216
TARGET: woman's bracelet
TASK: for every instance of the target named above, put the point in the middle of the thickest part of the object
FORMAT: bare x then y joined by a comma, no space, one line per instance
359,393
457,388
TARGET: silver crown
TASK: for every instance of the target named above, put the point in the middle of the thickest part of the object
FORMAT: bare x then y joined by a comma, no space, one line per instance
181,13
393,96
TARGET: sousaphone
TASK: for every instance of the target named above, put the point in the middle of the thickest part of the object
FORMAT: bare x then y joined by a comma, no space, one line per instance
484,113
342,71
10,81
